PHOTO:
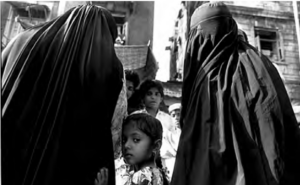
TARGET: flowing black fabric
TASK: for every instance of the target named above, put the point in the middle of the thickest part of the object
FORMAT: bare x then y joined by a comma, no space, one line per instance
236,115
60,85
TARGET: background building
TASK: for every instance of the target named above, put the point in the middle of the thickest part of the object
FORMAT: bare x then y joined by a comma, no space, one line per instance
270,27
134,18
147,28
16,15
134,23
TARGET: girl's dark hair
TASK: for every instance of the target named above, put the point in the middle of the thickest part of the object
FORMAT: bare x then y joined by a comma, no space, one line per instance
133,77
146,123
148,84
152,127
159,165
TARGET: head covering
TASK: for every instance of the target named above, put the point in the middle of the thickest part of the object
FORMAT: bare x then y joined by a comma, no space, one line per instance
238,125
174,107
242,35
209,11
58,100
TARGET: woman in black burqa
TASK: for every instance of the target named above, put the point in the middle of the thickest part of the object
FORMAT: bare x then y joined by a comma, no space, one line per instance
60,85
238,126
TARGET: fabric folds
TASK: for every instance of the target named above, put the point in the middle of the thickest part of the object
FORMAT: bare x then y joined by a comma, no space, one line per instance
238,126
60,85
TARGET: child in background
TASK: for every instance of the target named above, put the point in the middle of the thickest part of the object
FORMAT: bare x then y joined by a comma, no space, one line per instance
141,142
172,138
132,82
152,95
174,111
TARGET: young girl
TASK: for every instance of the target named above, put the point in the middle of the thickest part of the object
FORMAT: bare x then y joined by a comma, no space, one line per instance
152,94
141,142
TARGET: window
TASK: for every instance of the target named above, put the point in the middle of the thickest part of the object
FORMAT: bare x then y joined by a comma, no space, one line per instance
269,43
120,20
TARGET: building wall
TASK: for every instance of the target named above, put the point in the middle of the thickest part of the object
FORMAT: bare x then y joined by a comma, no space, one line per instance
278,15
279,6
70,4
171,100
4,15
165,14
11,28
53,7
140,23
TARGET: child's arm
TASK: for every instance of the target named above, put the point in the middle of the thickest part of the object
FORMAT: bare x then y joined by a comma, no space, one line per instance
102,177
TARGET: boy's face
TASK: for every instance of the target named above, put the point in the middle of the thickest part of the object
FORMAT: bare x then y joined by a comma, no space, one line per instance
129,88
175,114
153,98
136,145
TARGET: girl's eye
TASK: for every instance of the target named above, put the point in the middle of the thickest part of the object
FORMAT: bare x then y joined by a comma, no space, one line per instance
136,140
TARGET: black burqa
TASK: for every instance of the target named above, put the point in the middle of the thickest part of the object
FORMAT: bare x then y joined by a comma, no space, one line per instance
60,85
238,126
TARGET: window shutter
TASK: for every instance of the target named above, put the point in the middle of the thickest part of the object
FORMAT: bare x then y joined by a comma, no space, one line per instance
252,39
257,43
280,46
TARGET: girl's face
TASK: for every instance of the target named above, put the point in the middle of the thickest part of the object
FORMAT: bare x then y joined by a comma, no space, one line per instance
152,98
137,147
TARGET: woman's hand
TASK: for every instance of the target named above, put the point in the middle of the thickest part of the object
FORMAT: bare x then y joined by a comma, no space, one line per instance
102,177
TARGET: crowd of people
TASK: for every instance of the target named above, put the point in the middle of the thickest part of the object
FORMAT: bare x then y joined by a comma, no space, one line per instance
71,114
148,98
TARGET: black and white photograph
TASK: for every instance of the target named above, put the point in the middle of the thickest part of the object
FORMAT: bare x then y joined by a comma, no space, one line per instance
162,92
